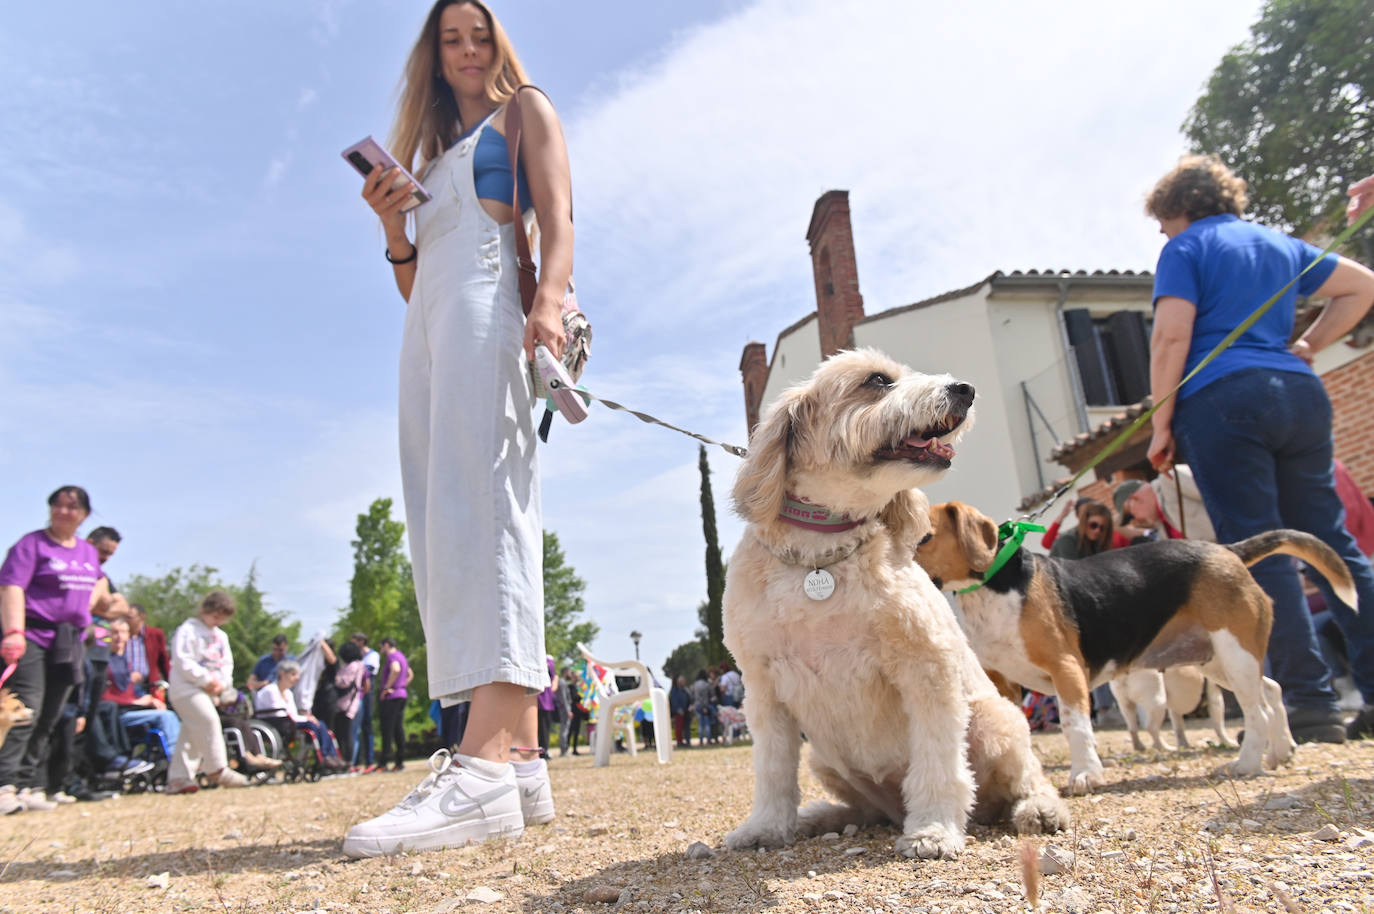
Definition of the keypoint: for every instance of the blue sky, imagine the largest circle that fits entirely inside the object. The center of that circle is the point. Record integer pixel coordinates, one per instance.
(199, 327)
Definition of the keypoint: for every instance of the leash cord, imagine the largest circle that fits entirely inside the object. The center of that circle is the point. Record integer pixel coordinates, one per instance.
(734, 449)
(1225, 343)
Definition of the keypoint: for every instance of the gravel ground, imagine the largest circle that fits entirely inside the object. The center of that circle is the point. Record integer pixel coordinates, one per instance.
(1164, 835)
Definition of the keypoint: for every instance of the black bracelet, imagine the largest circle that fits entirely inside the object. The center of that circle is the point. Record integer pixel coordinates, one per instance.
(414, 252)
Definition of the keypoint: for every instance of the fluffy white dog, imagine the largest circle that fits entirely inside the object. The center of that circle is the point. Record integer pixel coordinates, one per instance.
(841, 636)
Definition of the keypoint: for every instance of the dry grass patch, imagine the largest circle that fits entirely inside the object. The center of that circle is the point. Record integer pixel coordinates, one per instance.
(1164, 835)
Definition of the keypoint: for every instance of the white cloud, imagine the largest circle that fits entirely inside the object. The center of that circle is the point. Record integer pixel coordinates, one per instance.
(307, 98)
(276, 170)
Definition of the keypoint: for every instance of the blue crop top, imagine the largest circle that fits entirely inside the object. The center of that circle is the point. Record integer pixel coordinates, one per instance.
(491, 170)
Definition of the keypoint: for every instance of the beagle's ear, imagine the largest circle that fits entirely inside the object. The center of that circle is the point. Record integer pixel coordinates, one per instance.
(976, 534)
(762, 480)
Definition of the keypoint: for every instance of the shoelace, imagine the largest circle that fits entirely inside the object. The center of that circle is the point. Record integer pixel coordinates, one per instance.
(440, 764)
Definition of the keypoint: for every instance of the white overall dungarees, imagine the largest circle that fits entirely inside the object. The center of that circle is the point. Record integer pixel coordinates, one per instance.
(469, 466)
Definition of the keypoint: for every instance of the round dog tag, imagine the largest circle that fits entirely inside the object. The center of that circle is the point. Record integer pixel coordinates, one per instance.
(819, 584)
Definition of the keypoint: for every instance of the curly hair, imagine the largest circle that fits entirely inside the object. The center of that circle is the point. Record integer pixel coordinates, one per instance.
(1198, 187)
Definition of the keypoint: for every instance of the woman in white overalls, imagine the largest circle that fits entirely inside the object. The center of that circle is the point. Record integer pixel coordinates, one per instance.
(468, 460)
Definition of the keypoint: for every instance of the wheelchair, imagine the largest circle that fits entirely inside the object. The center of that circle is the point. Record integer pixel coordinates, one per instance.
(302, 758)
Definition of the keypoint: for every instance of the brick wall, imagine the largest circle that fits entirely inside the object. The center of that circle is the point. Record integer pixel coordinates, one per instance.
(839, 306)
(753, 367)
(1351, 389)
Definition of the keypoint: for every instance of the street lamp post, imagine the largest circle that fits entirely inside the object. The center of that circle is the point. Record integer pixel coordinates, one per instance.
(635, 636)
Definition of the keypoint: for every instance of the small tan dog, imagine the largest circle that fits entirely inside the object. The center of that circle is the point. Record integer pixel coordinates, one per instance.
(839, 635)
(13, 714)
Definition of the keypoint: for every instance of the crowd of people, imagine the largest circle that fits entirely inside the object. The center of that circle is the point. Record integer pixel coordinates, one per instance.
(710, 701)
(113, 703)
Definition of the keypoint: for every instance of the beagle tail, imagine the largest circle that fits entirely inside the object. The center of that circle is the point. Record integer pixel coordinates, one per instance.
(1302, 546)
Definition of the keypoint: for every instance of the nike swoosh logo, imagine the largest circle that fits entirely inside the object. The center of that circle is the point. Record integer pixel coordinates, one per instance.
(530, 792)
(450, 804)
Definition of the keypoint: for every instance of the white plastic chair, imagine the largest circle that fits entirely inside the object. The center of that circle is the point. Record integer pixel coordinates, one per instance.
(609, 700)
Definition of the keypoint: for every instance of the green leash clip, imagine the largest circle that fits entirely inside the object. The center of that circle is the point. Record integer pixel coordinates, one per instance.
(1010, 534)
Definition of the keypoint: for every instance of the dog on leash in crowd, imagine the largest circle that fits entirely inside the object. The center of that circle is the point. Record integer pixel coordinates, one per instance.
(13, 713)
(1149, 693)
(839, 635)
(1064, 626)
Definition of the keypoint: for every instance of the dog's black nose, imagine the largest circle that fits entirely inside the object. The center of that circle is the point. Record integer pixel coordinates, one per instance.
(961, 392)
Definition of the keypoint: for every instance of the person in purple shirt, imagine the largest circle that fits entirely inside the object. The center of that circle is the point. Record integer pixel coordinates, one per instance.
(49, 584)
(396, 675)
(546, 704)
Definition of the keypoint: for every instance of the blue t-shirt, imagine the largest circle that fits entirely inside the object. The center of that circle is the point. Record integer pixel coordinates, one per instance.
(266, 667)
(1227, 268)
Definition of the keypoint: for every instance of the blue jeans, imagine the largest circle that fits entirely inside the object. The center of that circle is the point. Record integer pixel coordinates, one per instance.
(322, 736)
(704, 719)
(166, 721)
(362, 732)
(1259, 445)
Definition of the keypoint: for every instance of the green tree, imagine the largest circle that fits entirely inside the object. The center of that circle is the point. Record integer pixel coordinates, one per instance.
(1291, 110)
(382, 601)
(715, 569)
(685, 660)
(381, 575)
(174, 597)
(253, 627)
(563, 605)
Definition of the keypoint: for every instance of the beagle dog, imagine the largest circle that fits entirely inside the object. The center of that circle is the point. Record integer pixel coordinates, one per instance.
(840, 635)
(1064, 626)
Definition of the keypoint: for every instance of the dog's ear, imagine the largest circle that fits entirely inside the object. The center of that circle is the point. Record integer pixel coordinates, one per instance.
(907, 517)
(762, 481)
(976, 534)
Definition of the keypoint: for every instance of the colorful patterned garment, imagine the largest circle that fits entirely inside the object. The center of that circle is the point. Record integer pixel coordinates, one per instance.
(586, 688)
(1042, 711)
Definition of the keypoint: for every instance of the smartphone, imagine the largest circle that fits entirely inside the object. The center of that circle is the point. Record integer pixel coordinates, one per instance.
(367, 154)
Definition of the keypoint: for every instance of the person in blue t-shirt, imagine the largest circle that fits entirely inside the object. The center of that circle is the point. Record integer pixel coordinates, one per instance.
(265, 670)
(1255, 423)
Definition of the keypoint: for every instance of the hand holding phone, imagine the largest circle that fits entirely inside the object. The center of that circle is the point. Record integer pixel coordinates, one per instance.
(367, 154)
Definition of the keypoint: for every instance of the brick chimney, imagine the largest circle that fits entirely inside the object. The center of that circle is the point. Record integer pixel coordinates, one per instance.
(753, 365)
(839, 306)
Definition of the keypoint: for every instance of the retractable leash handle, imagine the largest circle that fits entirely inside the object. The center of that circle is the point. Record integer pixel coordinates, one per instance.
(558, 386)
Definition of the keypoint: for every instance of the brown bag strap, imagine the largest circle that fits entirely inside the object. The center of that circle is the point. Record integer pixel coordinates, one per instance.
(524, 260)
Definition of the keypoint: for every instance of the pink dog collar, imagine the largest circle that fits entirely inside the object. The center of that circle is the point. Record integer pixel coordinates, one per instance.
(801, 513)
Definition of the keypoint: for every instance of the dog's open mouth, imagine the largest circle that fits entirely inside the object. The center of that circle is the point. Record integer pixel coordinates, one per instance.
(924, 446)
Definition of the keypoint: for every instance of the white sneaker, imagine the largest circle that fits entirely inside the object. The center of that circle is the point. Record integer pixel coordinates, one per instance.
(9, 800)
(228, 777)
(461, 801)
(536, 793)
(62, 797)
(35, 800)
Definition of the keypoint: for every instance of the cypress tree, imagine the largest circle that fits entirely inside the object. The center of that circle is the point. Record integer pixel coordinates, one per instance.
(715, 572)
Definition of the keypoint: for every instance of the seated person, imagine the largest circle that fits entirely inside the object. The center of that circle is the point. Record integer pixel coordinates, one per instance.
(276, 703)
(121, 690)
(233, 715)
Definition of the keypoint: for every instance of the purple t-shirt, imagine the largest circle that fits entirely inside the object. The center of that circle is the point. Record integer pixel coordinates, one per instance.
(399, 689)
(57, 582)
